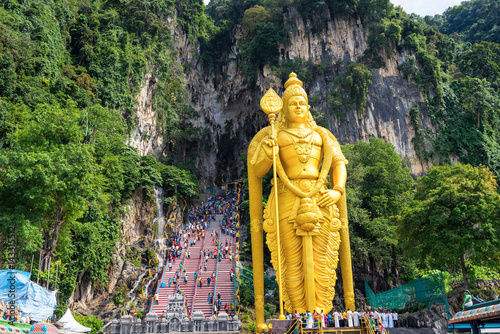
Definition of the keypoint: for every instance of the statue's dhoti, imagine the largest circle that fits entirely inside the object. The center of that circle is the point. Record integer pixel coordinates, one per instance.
(324, 249)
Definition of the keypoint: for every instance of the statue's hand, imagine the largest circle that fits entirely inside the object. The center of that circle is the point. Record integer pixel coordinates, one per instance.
(268, 147)
(328, 197)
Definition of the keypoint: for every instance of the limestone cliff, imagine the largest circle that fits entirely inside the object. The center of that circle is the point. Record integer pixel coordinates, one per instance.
(146, 137)
(223, 99)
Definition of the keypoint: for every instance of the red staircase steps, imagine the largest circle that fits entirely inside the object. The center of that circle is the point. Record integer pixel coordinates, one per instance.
(224, 284)
(163, 293)
(191, 266)
(201, 298)
(197, 297)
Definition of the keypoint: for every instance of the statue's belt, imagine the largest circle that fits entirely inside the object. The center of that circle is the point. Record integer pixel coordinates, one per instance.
(303, 184)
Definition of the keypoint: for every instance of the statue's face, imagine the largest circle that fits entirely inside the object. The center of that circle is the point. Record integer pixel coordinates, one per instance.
(297, 110)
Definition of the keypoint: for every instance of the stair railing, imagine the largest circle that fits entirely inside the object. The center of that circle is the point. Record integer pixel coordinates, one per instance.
(184, 255)
(195, 283)
(369, 327)
(217, 270)
(293, 328)
(161, 279)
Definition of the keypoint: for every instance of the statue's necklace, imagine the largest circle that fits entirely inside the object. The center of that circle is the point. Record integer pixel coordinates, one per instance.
(301, 133)
(302, 147)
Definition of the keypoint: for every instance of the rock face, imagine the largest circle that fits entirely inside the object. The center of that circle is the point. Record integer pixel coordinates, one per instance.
(146, 137)
(128, 274)
(227, 104)
(434, 318)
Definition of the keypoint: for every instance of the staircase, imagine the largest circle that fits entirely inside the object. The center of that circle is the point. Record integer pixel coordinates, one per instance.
(201, 298)
(191, 266)
(196, 297)
(163, 293)
(224, 284)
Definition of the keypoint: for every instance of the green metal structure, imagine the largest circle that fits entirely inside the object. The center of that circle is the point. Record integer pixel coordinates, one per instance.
(427, 290)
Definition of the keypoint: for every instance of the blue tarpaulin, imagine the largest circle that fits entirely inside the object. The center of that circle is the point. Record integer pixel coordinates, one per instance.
(29, 296)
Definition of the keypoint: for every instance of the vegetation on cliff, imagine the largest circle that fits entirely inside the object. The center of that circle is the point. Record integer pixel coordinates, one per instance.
(459, 80)
(69, 74)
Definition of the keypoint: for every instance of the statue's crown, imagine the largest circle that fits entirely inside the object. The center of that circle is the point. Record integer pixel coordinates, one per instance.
(293, 80)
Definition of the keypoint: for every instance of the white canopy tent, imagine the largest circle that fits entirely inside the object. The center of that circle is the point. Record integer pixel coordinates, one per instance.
(71, 325)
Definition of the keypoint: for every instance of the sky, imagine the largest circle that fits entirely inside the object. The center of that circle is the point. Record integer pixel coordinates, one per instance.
(420, 7)
(426, 7)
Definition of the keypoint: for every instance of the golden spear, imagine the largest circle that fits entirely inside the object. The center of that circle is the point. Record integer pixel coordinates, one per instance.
(272, 104)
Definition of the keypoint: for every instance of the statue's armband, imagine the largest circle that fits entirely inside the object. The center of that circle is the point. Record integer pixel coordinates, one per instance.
(260, 161)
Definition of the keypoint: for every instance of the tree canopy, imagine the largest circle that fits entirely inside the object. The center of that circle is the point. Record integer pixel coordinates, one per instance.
(69, 77)
(453, 220)
(378, 189)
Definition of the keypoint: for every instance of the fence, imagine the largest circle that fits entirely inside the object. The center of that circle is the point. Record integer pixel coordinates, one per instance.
(427, 290)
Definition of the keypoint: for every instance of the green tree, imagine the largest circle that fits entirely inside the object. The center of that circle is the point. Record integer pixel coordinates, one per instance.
(251, 18)
(475, 20)
(477, 97)
(482, 61)
(90, 321)
(46, 176)
(453, 220)
(356, 82)
(378, 188)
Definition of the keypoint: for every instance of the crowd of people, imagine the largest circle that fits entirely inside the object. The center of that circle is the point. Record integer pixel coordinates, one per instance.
(195, 230)
(224, 205)
(378, 320)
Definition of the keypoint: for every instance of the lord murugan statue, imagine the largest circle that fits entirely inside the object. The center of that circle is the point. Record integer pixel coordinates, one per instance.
(305, 221)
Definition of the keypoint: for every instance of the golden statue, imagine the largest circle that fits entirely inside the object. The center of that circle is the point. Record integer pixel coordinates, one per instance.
(313, 224)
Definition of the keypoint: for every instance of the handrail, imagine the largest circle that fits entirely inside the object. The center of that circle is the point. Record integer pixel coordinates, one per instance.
(181, 267)
(233, 250)
(295, 323)
(217, 270)
(370, 329)
(162, 276)
(300, 322)
(201, 259)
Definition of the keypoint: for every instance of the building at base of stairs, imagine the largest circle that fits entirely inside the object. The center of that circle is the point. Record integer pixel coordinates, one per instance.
(175, 319)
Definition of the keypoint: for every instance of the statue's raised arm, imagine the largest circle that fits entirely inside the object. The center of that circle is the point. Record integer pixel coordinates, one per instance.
(312, 217)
